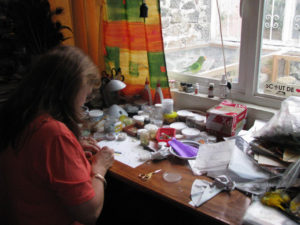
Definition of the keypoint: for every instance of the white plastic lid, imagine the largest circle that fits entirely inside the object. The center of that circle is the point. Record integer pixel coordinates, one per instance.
(138, 118)
(95, 113)
(151, 127)
(171, 177)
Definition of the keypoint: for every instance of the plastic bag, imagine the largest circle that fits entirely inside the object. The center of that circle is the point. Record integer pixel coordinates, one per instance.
(290, 176)
(284, 122)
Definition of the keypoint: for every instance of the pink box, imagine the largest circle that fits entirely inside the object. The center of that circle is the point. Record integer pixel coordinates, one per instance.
(226, 119)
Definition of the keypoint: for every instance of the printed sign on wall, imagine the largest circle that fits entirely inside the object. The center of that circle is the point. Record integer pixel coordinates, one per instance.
(283, 90)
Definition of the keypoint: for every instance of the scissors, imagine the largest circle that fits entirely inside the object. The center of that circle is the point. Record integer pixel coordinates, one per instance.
(147, 176)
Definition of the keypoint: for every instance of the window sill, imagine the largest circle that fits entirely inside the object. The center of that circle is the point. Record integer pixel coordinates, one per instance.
(201, 102)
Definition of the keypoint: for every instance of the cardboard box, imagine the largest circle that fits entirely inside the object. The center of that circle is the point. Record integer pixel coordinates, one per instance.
(226, 119)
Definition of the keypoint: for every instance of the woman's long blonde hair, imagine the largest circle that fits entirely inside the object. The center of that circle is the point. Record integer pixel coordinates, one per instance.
(51, 87)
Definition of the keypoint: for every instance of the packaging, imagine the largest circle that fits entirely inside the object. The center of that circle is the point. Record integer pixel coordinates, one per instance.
(226, 119)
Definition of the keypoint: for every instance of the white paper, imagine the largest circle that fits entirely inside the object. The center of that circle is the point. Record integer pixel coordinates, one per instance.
(130, 149)
(213, 156)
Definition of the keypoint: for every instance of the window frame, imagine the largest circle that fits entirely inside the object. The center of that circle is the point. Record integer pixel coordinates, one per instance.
(252, 12)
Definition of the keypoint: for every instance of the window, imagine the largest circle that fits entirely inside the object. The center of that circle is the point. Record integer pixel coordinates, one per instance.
(262, 51)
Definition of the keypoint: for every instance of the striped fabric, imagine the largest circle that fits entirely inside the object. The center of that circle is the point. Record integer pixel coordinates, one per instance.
(135, 44)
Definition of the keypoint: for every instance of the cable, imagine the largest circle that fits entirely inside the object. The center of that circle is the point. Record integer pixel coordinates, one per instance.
(221, 34)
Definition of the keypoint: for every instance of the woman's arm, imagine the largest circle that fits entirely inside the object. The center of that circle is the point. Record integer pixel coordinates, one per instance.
(88, 212)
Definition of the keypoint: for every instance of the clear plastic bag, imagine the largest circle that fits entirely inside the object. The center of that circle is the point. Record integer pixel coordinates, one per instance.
(285, 122)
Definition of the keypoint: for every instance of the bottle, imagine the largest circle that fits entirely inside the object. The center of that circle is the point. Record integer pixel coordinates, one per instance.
(223, 87)
(182, 86)
(189, 88)
(158, 94)
(146, 93)
(197, 87)
(211, 90)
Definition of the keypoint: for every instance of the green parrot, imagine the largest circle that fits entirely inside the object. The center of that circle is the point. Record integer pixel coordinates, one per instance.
(196, 66)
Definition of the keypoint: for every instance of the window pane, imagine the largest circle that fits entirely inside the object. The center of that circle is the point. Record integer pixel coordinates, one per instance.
(191, 32)
(280, 64)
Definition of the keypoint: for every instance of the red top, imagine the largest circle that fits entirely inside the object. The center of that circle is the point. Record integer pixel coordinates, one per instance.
(47, 175)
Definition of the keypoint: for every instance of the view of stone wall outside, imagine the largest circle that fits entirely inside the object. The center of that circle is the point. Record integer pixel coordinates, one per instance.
(185, 23)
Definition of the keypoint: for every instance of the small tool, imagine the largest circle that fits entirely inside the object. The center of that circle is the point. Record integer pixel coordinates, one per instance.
(147, 176)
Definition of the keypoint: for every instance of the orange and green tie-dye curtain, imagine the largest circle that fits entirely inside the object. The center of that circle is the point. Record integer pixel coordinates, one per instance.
(135, 44)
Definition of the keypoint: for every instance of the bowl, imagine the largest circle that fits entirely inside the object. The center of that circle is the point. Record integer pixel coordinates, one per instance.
(190, 133)
(187, 142)
(183, 114)
(178, 126)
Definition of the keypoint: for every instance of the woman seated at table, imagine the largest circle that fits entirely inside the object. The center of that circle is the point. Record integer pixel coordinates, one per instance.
(45, 177)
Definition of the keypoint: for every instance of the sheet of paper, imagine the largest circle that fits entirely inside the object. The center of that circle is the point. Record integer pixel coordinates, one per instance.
(128, 151)
(212, 157)
(264, 160)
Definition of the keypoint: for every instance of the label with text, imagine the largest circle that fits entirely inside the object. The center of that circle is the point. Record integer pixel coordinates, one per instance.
(283, 90)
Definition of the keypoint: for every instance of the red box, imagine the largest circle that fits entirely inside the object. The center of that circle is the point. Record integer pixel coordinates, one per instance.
(226, 119)
(165, 134)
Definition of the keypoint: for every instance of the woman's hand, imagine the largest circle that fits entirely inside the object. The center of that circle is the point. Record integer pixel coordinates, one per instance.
(89, 146)
(102, 160)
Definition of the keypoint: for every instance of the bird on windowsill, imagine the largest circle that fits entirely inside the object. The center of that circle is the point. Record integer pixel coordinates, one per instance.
(196, 66)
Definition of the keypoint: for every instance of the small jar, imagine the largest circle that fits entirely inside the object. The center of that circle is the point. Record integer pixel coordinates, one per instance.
(139, 121)
(144, 137)
(190, 120)
(172, 84)
(152, 130)
(189, 88)
(182, 86)
(211, 90)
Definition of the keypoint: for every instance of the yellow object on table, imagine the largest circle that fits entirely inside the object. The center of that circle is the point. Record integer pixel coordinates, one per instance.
(276, 199)
(170, 118)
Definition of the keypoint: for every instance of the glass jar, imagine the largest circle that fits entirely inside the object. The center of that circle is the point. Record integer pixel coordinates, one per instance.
(144, 137)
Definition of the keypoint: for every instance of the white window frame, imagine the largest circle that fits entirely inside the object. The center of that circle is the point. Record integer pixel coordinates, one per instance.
(245, 90)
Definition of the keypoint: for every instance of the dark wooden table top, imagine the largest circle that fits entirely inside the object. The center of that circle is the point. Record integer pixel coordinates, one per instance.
(227, 208)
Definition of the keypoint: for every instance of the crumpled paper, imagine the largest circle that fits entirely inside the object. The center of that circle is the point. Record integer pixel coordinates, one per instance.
(202, 191)
(158, 155)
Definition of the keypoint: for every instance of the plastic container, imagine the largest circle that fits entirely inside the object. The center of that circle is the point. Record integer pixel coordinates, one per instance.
(95, 115)
(165, 134)
(170, 118)
(152, 130)
(139, 121)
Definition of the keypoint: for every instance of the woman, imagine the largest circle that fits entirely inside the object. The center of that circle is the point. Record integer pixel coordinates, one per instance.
(45, 176)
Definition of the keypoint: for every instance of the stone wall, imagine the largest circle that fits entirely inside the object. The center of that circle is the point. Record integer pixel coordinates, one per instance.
(185, 23)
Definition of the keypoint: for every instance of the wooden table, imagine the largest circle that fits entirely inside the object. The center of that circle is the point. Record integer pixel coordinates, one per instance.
(227, 208)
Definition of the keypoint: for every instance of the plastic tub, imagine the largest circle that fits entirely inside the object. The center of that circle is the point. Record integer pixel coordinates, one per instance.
(165, 134)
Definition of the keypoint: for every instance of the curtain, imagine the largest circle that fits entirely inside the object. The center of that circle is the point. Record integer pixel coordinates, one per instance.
(84, 18)
(114, 36)
(135, 44)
